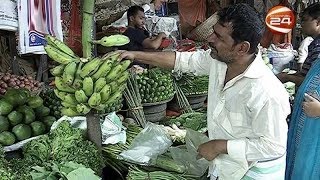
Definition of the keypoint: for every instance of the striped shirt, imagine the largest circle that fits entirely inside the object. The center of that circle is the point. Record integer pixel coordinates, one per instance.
(313, 54)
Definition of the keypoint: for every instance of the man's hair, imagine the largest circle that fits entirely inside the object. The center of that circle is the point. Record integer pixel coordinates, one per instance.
(133, 10)
(246, 24)
(313, 11)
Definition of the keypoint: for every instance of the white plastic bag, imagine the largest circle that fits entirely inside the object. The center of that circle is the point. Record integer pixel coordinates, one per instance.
(187, 155)
(281, 55)
(111, 127)
(147, 145)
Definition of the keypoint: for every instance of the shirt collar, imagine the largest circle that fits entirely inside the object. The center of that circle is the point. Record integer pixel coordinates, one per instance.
(256, 69)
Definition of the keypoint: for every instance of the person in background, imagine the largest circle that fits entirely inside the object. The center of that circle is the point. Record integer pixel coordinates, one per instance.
(310, 24)
(247, 104)
(139, 37)
(303, 150)
(157, 3)
(303, 51)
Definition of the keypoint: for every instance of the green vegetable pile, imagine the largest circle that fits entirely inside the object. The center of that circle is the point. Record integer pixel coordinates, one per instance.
(52, 102)
(155, 85)
(193, 85)
(63, 144)
(195, 121)
(63, 171)
(22, 115)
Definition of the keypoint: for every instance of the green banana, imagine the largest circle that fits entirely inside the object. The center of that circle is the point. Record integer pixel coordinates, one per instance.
(105, 93)
(59, 44)
(125, 64)
(59, 56)
(65, 104)
(60, 94)
(122, 87)
(83, 109)
(123, 77)
(113, 40)
(69, 73)
(99, 84)
(114, 86)
(114, 72)
(94, 100)
(112, 56)
(71, 99)
(77, 82)
(100, 107)
(58, 70)
(114, 97)
(81, 96)
(69, 112)
(90, 67)
(87, 86)
(62, 86)
(103, 70)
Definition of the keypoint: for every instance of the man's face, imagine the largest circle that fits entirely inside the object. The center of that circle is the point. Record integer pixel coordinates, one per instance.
(222, 43)
(138, 20)
(309, 25)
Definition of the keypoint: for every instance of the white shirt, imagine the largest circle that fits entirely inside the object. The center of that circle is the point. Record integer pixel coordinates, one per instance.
(303, 49)
(249, 111)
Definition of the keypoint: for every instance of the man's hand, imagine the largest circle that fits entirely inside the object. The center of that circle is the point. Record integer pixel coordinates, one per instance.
(212, 149)
(162, 35)
(311, 106)
(126, 55)
(283, 77)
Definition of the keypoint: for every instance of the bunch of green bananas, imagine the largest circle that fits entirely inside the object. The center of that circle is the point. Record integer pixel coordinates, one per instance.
(85, 84)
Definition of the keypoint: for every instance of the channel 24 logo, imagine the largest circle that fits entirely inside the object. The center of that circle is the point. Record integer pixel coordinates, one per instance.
(280, 19)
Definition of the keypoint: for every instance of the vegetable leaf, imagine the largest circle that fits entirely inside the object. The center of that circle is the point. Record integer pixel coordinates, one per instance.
(82, 174)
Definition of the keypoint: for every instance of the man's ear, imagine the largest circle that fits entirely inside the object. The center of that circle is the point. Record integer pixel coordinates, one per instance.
(243, 47)
(131, 18)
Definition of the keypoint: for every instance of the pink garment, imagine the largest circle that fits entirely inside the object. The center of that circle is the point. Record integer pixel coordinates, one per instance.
(192, 11)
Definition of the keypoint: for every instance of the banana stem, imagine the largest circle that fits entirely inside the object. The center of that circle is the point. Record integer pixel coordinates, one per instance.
(87, 28)
(93, 120)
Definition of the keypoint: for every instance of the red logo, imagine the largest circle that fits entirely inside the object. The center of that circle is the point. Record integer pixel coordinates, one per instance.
(280, 19)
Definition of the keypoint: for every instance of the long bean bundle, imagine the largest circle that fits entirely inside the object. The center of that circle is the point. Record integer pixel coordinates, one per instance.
(182, 100)
(133, 98)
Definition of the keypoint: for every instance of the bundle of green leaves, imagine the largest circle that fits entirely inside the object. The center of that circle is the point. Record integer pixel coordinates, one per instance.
(64, 144)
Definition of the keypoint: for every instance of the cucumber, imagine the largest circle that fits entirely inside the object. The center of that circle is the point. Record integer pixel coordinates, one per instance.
(169, 164)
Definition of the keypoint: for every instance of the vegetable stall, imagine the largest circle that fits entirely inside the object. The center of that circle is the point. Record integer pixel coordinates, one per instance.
(101, 118)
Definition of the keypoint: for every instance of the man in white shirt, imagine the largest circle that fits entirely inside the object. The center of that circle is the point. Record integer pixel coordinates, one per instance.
(247, 104)
(303, 51)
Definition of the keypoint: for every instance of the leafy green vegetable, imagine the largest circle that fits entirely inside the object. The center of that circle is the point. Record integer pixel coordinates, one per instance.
(38, 149)
(195, 121)
(68, 144)
(63, 171)
(82, 174)
(5, 171)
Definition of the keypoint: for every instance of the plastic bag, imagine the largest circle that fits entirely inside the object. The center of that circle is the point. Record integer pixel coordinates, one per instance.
(187, 155)
(281, 56)
(111, 127)
(148, 144)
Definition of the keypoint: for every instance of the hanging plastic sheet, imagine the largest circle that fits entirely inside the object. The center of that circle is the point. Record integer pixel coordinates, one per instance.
(8, 15)
(37, 18)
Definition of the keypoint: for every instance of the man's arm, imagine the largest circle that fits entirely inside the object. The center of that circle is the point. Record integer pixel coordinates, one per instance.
(198, 62)
(296, 78)
(153, 43)
(160, 59)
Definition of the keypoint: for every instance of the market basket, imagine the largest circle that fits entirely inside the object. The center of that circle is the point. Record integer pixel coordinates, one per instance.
(204, 30)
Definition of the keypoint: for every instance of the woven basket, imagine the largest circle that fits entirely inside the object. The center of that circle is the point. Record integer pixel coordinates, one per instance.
(204, 30)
